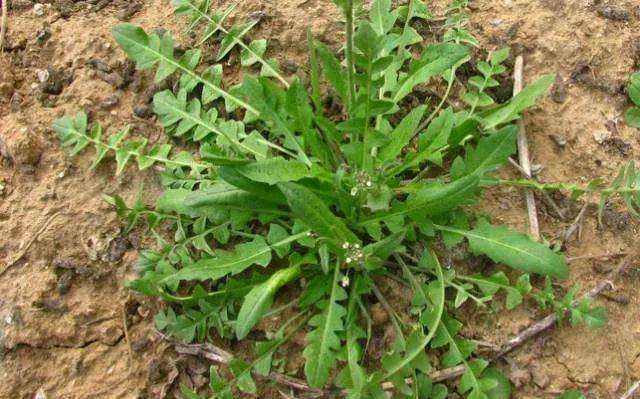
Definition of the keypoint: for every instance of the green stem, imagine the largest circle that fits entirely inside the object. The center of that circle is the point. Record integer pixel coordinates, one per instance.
(137, 154)
(240, 42)
(348, 11)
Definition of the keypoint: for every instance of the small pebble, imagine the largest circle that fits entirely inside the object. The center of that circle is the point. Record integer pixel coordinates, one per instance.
(38, 9)
(601, 137)
(536, 168)
(110, 102)
(614, 13)
(40, 394)
(142, 111)
(559, 139)
(43, 75)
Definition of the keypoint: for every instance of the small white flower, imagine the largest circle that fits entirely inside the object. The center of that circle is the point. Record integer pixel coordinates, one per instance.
(348, 260)
(356, 246)
(345, 245)
(344, 282)
(369, 183)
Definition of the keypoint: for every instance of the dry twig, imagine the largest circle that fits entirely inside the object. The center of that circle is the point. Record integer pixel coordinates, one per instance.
(523, 154)
(3, 23)
(219, 355)
(632, 391)
(576, 223)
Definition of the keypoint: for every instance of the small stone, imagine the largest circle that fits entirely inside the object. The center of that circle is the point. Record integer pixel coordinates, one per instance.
(130, 11)
(289, 66)
(496, 22)
(559, 139)
(601, 137)
(113, 78)
(536, 168)
(55, 82)
(558, 90)
(614, 13)
(142, 111)
(257, 15)
(43, 75)
(38, 9)
(99, 65)
(110, 101)
(64, 282)
(40, 394)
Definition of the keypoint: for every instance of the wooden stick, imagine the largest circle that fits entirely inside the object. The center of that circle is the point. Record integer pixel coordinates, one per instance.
(632, 391)
(219, 355)
(576, 223)
(523, 154)
(3, 23)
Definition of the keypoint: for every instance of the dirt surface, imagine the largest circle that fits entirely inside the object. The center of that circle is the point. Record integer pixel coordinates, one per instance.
(68, 327)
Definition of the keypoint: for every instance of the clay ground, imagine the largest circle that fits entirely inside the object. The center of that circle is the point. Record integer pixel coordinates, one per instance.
(68, 327)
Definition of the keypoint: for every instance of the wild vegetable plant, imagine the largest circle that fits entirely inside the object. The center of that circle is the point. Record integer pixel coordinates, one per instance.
(288, 197)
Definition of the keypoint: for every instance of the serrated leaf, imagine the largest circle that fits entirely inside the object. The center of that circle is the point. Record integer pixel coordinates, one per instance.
(323, 342)
(261, 93)
(233, 36)
(523, 100)
(382, 19)
(256, 252)
(513, 249)
(148, 51)
(433, 316)
(253, 54)
(437, 58)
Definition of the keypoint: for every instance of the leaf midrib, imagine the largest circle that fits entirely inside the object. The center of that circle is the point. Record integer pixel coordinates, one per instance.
(192, 74)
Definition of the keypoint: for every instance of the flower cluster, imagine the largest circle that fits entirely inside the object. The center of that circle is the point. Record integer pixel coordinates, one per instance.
(363, 183)
(354, 252)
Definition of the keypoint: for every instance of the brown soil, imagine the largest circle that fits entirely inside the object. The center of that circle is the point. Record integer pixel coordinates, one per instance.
(68, 327)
